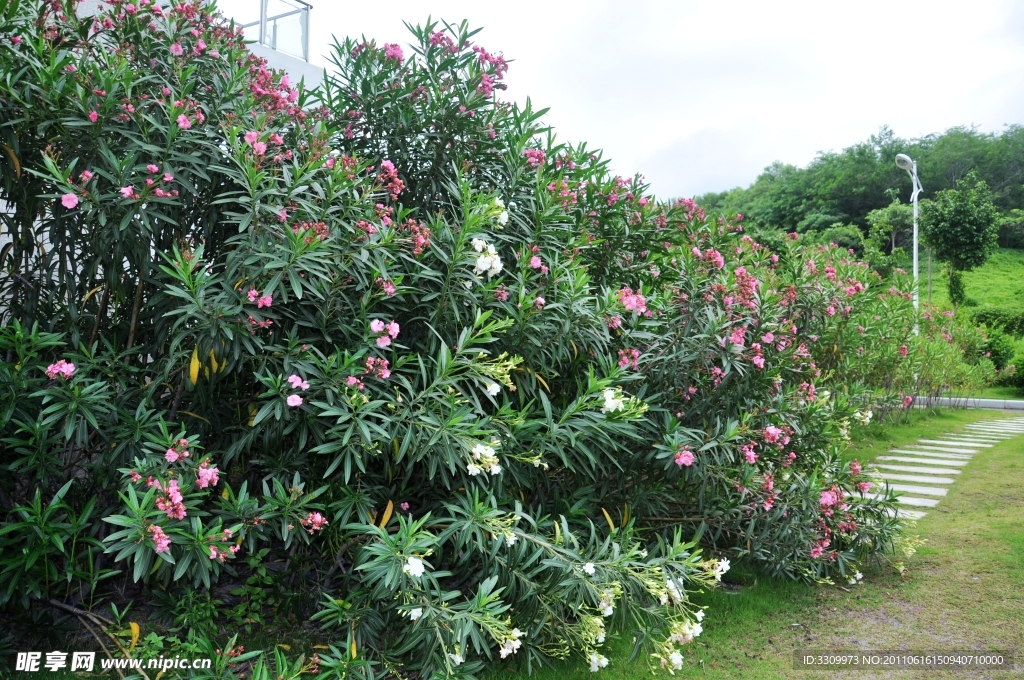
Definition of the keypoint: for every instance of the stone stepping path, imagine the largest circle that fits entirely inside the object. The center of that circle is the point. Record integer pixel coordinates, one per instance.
(922, 473)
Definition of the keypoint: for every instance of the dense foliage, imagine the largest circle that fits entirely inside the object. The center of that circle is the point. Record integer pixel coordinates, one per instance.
(390, 359)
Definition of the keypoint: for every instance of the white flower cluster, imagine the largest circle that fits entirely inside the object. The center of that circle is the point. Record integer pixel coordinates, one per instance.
(683, 634)
(597, 662)
(414, 567)
(512, 644)
(721, 566)
(486, 459)
(456, 659)
(488, 261)
(675, 659)
(613, 401)
(589, 568)
(856, 578)
(607, 603)
(674, 594)
(863, 417)
(493, 389)
(499, 207)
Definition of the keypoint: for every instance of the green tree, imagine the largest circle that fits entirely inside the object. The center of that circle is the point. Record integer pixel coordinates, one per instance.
(961, 226)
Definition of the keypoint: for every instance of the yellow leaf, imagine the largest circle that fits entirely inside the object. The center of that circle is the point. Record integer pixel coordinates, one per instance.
(159, 675)
(196, 415)
(213, 361)
(239, 283)
(193, 369)
(542, 382)
(575, 352)
(625, 514)
(224, 493)
(89, 294)
(353, 651)
(135, 635)
(608, 518)
(206, 372)
(252, 414)
(387, 514)
(14, 159)
(320, 647)
(285, 647)
(558, 534)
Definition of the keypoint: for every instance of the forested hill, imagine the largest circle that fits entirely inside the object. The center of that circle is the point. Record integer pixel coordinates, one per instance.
(845, 186)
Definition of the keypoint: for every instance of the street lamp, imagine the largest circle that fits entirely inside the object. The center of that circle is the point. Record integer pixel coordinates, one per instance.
(904, 162)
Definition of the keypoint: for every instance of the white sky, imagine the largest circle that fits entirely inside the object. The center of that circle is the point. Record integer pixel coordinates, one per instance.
(701, 96)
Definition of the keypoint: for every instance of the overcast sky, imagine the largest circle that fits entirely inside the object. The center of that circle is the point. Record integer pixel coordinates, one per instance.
(701, 96)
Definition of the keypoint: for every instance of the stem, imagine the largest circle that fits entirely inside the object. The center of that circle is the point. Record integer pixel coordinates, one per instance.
(177, 399)
(100, 313)
(135, 316)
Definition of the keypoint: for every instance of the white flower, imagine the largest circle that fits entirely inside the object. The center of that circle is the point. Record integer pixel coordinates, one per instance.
(664, 598)
(456, 659)
(493, 389)
(516, 633)
(479, 244)
(852, 581)
(692, 629)
(414, 567)
(589, 568)
(600, 638)
(607, 603)
(700, 614)
(482, 451)
(597, 662)
(858, 576)
(511, 539)
(473, 470)
(495, 469)
(721, 567)
(676, 659)
(503, 218)
(469, 283)
(512, 644)
(415, 613)
(611, 403)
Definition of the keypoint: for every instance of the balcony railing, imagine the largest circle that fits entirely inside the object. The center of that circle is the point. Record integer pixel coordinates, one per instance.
(281, 25)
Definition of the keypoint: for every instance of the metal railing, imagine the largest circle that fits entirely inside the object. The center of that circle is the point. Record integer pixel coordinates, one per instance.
(281, 25)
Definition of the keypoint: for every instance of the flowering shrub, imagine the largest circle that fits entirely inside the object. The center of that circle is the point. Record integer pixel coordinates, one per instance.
(485, 399)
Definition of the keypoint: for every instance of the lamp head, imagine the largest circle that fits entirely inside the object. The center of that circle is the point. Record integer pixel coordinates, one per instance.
(904, 162)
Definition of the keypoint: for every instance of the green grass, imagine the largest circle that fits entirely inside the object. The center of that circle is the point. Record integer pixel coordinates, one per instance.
(997, 283)
(993, 392)
(961, 591)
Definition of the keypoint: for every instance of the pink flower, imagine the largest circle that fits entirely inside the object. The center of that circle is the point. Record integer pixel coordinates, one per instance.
(392, 329)
(864, 487)
(377, 326)
(540, 302)
(903, 350)
(298, 383)
(829, 499)
(171, 456)
(177, 50)
(162, 540)
(393, 52)
(771, 434)
(684, 457)
(404, 506)
(61, 368)
(93, 116)
(168, 177)
(265, 301)
(907, 401)
(153, 168)
(383, 341)
(127, 191)
(294, 400)
(16, 39)
(86, 176)
(535, 262)
(314, 521)
(183, 122)
(748, 453)
(768, 338)
(135, 476)
(855, 468)
(69, 201)
(758, 361)
(253, 294)
(259, 148)
(207, 476)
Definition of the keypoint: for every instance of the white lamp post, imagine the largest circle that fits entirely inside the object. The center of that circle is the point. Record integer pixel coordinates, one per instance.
(904, 162)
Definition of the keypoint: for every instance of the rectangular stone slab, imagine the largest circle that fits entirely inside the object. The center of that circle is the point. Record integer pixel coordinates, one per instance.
(923, 490)
(995, 428)
(910, 514)
(912, 468)
(924, 479)
(931, 454)
(964, 442)
(964, 450)
(924, 461)
(911, 500)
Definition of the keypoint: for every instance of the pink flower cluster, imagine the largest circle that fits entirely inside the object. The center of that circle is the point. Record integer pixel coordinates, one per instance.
(711, 255)
(314, 521)
(207, 475)
(171, 502)
(260, 300)
(388, 287)
(385, 332)
(393, 52)
(355, 382)
(378, 368)
(162, 540)
(178, 451)
(297, 383)
(684, 457)
(748, 452)
(629, 358)
(61, 368)
(534, 157)
(389, 179)
(633, 302)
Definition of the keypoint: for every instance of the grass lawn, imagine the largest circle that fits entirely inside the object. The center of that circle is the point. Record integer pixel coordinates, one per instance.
(962, 589)
(998, 283)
